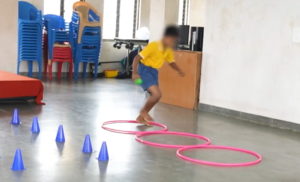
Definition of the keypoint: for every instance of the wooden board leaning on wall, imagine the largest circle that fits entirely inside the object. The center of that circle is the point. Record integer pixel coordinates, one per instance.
(182, 91)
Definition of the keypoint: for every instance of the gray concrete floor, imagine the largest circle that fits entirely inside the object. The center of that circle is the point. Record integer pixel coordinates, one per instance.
(82, 108)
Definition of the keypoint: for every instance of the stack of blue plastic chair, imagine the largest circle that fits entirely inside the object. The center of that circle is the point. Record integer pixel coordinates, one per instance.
(86, 30)
(30, 36)
(57, 37)
(55, 26)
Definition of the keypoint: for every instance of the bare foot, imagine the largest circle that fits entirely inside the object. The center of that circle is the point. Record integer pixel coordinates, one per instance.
(146, 116)
(141, 120)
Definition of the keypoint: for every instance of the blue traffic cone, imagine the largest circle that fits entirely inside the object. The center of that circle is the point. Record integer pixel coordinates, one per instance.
(15, 118)
(103, 155)
(35, 127)
(60, 137)
(87, 145)
(18, 162)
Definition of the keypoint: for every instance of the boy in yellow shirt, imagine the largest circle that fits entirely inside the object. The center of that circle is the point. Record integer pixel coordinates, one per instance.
(145, 67)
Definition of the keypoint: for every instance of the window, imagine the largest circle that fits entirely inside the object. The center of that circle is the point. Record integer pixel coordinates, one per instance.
(183, 12)
(120, 18)
(67, 10)
(62, 8)
(109, 19)
(52, 7)
(126, 19)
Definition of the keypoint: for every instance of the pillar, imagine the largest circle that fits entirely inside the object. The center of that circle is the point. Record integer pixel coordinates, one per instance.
(197, 13)
(145, 13)
(9, 36)
(162, 13)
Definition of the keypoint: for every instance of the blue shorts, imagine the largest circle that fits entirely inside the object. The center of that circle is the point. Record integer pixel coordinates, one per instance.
(149, 76)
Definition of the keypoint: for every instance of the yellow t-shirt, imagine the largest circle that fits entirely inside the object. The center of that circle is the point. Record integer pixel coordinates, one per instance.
(154, 55)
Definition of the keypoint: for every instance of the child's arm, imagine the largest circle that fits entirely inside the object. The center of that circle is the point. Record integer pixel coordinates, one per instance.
(147, 51)
(176, 68)
(136, 61)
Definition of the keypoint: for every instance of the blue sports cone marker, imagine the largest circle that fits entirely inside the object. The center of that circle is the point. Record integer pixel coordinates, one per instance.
(15, 118)
(18, 161)
(103, 155)
(60, 137)
(35, 127)
(87, 145)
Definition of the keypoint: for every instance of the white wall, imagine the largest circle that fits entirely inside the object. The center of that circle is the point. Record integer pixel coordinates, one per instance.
(166, 13)
(250, 63)
(8, 36)
(109, 53)
(145, 13)
(171, 12)
(156, 22)
(197, 13)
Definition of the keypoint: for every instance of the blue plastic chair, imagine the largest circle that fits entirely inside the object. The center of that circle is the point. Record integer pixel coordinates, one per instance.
(27, 11)
(55, 26)
(30, 36)
(87, 49)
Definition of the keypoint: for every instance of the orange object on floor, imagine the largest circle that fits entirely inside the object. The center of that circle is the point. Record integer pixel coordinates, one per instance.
(111, 73)
(16, 86)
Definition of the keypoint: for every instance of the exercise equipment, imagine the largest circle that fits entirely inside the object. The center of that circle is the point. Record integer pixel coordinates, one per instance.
(179, 154)
(87, 145)
(129, 121)
(141, 134)
(138, 81)
(103, 154)
(35, 127)
(15, 87)
(60, 137)
(118, 45)
(18, 164)
(15, 120)
(130, 45)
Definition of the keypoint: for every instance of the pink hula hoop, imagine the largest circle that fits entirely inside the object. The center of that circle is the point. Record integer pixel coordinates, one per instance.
(129, 121)
(219, 164)
(141, 134)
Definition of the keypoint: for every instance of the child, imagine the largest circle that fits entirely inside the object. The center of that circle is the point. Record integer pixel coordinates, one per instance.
(147, 62)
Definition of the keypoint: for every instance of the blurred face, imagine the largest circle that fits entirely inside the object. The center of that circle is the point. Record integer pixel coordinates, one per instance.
(170, 42)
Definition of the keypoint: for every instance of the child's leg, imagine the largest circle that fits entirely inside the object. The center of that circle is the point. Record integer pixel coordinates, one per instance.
(140, 119)
(149, 76)
(155, 96)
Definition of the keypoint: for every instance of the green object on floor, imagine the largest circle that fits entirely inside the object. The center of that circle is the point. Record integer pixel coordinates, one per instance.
(138, 81)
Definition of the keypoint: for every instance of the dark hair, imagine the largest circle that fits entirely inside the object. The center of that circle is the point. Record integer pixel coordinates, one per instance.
(172, 31)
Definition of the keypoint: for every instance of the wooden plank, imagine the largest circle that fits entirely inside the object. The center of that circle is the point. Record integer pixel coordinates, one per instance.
(182, 91)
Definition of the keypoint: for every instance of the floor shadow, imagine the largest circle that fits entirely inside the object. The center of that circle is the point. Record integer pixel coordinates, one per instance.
(103, 166)
(34, 137)
(142, 127)
(60, 148)
(86, 158)
(17, 175)
(15, 129)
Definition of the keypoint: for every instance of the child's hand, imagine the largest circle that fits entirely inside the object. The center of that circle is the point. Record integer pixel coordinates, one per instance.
(181, 73)
(135, 76)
